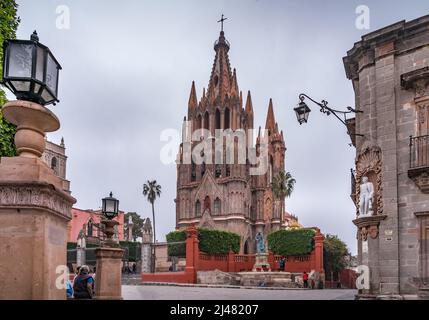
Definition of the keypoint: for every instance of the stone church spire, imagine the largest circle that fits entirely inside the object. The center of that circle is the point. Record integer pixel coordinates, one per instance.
(270, 124)
(249, 105)
(221, 78)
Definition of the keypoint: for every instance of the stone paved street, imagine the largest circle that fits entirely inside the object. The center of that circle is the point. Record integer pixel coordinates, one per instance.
(199, 293)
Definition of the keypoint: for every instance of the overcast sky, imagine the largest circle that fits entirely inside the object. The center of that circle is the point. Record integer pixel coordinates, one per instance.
(127, 72)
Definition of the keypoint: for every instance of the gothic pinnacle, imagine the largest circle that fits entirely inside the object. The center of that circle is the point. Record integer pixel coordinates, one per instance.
(193, 101)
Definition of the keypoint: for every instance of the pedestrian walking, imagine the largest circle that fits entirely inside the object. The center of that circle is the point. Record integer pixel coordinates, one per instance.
(305, 279)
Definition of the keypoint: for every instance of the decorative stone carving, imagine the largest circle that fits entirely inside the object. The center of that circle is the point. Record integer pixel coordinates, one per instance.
(368, 226)
(417, 80)
(420, 86)
(41, 195)
(368, 164)
(421, 178)
(363, 234)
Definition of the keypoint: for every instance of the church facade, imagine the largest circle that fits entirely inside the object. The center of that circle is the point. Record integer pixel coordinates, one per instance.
(220, 194)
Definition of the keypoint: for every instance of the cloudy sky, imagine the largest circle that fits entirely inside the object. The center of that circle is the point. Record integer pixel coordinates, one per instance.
(127, 72)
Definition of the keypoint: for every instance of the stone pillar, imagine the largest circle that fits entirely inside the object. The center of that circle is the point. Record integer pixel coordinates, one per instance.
(146, 248)
(108, 285)
(318, 247)
(109, 256)
(146, 257)
(80, 256)
(192, 252)
(34, 210)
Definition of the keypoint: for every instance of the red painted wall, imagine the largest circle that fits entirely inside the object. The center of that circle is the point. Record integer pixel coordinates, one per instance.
(200, 261)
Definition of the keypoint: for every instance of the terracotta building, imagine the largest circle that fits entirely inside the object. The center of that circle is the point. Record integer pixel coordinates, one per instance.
(389, 69)
(215, 194)
(88, 221)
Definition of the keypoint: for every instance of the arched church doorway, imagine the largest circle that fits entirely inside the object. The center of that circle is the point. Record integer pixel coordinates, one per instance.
(246, 247)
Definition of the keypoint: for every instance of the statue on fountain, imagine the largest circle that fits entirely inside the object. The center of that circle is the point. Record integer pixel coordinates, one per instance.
(260, 243)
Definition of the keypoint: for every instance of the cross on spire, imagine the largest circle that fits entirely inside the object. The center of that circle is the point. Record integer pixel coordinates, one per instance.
(221, 21)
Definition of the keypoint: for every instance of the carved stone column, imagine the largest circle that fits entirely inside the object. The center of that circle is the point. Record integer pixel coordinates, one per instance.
(34, 210)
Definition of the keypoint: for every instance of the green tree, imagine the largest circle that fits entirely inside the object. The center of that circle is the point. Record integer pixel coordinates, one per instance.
(283, 184)
(335, 253)
(152, 190)
(137, 224)
(9, 22)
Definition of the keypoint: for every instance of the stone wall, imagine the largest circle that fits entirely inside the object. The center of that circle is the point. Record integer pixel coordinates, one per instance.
(390, 243)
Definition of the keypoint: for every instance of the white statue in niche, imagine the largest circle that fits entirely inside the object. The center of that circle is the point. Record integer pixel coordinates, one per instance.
(366, 198)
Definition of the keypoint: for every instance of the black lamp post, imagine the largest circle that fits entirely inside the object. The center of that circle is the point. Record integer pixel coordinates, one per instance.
(30, 70)
(302, 112)
(110, 210)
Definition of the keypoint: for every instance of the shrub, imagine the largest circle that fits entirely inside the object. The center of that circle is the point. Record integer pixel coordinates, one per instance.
(292, 242)
(210, 241)
(218, 242)
(176, 250)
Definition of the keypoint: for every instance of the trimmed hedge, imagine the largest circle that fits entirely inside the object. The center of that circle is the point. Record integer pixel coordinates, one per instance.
(218, 242)
(210, 241)
(176, 250)
(292, 242)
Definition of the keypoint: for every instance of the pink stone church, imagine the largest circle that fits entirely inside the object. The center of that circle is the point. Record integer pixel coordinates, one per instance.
(225, 196)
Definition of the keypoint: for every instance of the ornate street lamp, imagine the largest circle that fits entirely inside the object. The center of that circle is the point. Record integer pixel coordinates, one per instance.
(30, 70)
(110, 207)
(302, 112)
(110, 210)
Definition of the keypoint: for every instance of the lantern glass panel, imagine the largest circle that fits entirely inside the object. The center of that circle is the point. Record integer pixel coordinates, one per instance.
(46, 95)
(21, 58)
(110, 205)
(21, 85)
(51, 74)
(40, 64)
(36, 88)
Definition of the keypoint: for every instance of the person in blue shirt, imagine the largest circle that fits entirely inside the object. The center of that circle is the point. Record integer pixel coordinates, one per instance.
(69, 289)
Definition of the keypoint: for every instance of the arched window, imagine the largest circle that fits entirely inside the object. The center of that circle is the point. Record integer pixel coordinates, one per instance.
(198, 208)
(90, 228)
(217, 206)
(206, 121)
(207, 204)
(228, 171)
(227, 119)
(217, 119)
(54, 164)
(270, 172)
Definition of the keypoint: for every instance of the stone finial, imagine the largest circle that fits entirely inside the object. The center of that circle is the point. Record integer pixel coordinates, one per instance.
(33, 121)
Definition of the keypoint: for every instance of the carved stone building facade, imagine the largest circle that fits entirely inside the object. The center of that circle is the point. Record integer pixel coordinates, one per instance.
(55, 157)
(389, 69)
(215, 194)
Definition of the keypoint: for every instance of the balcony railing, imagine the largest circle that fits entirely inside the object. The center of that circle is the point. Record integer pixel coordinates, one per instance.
(419, 152)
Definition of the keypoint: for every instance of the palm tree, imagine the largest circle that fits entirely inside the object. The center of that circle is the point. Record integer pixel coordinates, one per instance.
(152, 190)
(283, 184)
